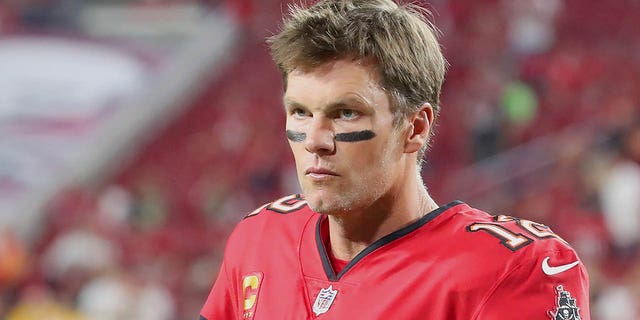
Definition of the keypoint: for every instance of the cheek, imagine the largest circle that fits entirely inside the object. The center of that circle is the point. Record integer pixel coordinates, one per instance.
(300, 157)
(380, 159)
(296, 150)
(366, 157)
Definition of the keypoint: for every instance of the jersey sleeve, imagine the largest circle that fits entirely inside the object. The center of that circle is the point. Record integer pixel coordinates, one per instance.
(552, 286)
(221, 302)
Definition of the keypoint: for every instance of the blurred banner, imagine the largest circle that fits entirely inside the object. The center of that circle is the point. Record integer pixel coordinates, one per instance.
(55, 95)
(74, 104)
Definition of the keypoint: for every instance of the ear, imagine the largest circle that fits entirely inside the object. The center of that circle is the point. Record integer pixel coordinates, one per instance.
(419, 127)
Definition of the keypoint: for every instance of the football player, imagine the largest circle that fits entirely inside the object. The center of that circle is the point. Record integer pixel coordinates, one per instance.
(365, 240)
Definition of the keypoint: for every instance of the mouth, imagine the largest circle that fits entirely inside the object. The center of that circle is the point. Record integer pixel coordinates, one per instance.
(320, 173)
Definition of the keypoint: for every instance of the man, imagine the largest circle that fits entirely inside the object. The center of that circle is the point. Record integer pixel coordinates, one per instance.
(366, 241)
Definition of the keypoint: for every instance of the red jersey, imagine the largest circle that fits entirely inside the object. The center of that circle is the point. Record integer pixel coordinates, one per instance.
(456, 262)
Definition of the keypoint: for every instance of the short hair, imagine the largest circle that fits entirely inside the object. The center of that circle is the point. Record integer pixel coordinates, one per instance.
(399, 38)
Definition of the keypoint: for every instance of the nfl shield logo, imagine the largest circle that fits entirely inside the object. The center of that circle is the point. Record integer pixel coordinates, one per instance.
(324, 300)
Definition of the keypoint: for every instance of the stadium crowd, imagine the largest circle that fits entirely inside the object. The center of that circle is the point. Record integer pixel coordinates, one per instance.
(541, 105)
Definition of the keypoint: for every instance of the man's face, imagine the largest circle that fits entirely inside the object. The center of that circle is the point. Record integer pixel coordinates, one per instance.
(340, 129)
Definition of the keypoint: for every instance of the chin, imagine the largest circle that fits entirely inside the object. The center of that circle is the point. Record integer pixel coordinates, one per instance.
(327, 204)
(328, 210)
(318, 205)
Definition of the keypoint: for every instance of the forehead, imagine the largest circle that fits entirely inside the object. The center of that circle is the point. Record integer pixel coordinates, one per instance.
(335, 78)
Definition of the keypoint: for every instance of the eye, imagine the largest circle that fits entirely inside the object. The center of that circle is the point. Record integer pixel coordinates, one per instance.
(299, 113)
(347, 114)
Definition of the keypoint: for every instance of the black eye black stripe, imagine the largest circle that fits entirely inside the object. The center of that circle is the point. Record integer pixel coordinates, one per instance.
(355, 136)
(295, 136)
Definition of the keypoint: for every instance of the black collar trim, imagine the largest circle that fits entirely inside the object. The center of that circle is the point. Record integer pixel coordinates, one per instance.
(326, 262)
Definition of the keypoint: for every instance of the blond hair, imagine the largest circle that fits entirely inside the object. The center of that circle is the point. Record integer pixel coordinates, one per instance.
(400, 39)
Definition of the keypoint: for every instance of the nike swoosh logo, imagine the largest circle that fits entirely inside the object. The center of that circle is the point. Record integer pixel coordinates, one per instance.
(550, 271)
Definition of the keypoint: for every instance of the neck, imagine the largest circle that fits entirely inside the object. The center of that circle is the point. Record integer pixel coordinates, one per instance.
(352, 232)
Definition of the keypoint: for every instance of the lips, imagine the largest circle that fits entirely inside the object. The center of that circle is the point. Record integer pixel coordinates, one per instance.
(319, 172)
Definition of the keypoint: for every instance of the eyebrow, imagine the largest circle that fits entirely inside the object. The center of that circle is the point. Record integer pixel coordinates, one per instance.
(344, 101)
(291, 104)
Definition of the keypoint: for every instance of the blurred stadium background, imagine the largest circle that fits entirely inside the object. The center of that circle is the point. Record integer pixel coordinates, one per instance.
(135, 134)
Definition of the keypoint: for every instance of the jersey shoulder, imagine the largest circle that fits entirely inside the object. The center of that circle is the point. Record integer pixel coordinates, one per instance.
(290, 204)
(287, 215)
(512, 249)
(529, 265)
(509, 233)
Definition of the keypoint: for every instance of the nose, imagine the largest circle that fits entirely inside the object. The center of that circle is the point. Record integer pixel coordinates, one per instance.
(320, 137)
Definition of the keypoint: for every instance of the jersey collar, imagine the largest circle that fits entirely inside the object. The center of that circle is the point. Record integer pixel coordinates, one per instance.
(326, 262)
